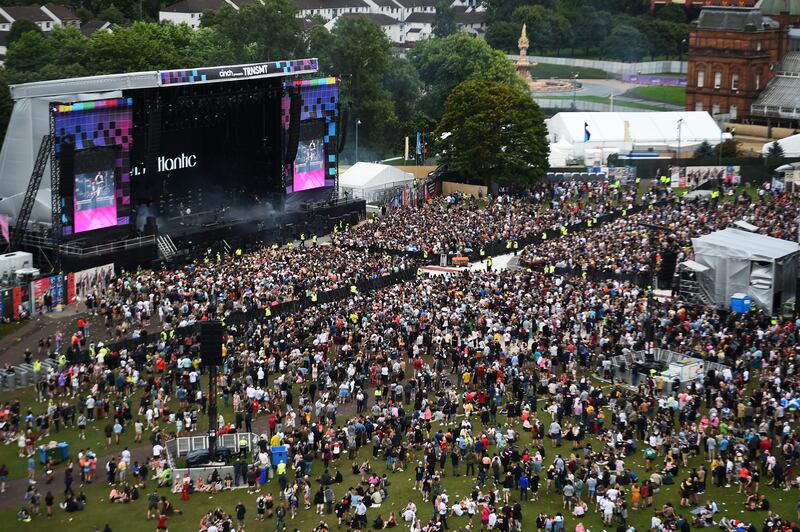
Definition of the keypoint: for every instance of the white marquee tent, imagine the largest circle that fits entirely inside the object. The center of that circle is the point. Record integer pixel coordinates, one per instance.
(790, 145)
(372, 181)
(620, 132)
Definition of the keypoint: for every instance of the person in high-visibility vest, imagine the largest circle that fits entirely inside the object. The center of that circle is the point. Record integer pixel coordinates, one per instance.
(419, 271)
(424, 253)
(314, 241)
(313, 297)
(544, 235)
(482, 252)
(353, 289)
(267, 312)
(303, 239)
(638, 180)
(516, 247)
(489, 264)
(62, 360)
(508, 245)
(274, 246)
(238, 252)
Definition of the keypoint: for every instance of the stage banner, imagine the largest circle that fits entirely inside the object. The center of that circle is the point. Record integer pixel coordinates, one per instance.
(16, 300)
(40, 288)
(70, 288)
(57, 289)
(251, 71)
(4, 227)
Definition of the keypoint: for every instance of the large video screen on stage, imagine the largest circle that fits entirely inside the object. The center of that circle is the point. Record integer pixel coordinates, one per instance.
(93, 141)
(309, 165)
(315, 164)
(95, 205)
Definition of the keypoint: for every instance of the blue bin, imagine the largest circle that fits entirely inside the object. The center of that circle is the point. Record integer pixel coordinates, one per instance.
(64, 448)
(279, 455)
(42, 455)
(740, 303)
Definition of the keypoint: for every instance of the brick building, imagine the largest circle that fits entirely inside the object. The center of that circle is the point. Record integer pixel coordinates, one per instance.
(731, 55)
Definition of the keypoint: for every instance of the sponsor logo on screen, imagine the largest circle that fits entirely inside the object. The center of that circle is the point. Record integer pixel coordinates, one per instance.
(181, 162)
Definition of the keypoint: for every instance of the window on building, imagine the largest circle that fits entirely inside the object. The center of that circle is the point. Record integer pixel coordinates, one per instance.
(715, 109)
(734, 110)
(758, 81)
(701, 78)
(698, 106)
(758, 45)
(717, 80)
(734, 82)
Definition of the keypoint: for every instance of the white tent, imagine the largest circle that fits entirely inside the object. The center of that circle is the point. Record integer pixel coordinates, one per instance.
(790, 145)
(763, 267)
(372, 181)
(620, 132)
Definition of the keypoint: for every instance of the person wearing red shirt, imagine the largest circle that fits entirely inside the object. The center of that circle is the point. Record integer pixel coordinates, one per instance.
(161, 525)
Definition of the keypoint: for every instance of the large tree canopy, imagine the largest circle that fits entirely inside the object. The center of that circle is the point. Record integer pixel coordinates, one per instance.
(493, 132)
(444, 63)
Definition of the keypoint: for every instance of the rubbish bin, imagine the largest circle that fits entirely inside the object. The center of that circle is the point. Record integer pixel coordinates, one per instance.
(53, 453)
(279, 455)
(64, 448)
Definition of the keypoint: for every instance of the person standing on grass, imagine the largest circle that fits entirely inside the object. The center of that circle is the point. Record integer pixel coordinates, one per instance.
(48, 502)
(161, 525)
(152, 505)
(240, 513)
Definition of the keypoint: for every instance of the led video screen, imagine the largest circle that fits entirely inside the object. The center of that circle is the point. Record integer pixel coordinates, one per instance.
(309, 165)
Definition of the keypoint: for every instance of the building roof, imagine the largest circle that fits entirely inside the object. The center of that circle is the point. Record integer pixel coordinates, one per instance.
(790, 64)
(781, 98)
(736, 243)
(62, 12)
(386, 3)
(329, 4)
(33, 13)
(421, 18)
(378, 18)
(776, 7)
(90, 27)
(409, 4)
(734, 19)
(194, 6)
(472, 16)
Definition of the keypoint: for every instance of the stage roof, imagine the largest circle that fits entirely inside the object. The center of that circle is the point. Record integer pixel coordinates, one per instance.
(162, 78)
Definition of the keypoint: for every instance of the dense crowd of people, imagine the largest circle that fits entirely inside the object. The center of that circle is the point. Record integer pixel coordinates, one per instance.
(467, 374)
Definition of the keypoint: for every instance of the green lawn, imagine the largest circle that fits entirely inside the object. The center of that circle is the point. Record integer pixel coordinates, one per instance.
(549, 70)
(604, 100)
(9, 328)
(130, 517)
(671, 95)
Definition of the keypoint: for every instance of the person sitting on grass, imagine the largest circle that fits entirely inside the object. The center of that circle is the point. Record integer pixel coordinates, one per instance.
(756, 503)
(23, 515)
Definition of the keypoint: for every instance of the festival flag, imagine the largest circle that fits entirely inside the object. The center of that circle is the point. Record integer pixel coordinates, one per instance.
(419, 143)
(586, 134)
(406, 156)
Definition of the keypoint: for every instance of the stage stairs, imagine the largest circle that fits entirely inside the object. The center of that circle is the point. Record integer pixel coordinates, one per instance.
(166, 247)
(693, 291)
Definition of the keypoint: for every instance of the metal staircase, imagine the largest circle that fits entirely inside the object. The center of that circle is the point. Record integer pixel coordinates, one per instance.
(33, 188)
(693, 291)
(166, 247)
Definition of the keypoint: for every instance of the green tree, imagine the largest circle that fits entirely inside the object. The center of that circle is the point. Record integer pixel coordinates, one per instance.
(775, 151)
(729, 148)
(113, 15)
(19, 28)
(493, 132)
(444, 63)
(625, 43)
(266, 31)
(672, 13)
(444, 21)
(402, 82)
(142, 46)
(504, 36)
(704, 150)
(30, 52)
(548, 29)
(359, 53)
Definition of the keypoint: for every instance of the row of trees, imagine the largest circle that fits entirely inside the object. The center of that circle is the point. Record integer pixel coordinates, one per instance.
(616, 30)
(393, 97)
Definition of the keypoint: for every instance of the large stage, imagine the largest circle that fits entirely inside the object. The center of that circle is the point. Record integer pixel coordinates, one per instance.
(94, 165)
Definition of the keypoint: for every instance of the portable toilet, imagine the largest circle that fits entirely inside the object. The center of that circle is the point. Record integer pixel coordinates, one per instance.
(740, 303)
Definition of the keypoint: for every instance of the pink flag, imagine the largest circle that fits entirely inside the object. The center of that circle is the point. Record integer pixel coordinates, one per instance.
(4, 227)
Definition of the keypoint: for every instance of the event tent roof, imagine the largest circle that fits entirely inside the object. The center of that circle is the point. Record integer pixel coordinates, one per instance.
(373, 175)
(790, 145)
(645, 129)
(736, 243)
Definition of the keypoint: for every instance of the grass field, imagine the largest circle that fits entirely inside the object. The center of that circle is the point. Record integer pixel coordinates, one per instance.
(9, 328)
(618, 104)
(131, 517)
(549, 70)
(671, 95)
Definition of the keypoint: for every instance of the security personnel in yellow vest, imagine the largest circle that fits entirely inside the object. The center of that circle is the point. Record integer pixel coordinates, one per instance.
(313, 297)
(508, 245)
(489, 264)
(638, 180)
(419, 271)
(290, 245)
(544, 235)
(424, 253)
(589, 224)
(335, 229)
(624, 213)
(92, 352)
(238, 252)
(205, 260)
(62, 360)
(37, 367)
(219, 258)
(714, 194)
(303, 239)
(516, 247)
(267, 312)
(482, 252)
(314, 241)
(274, 246)
(163, 336)
(353, 289)
(594, 220)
